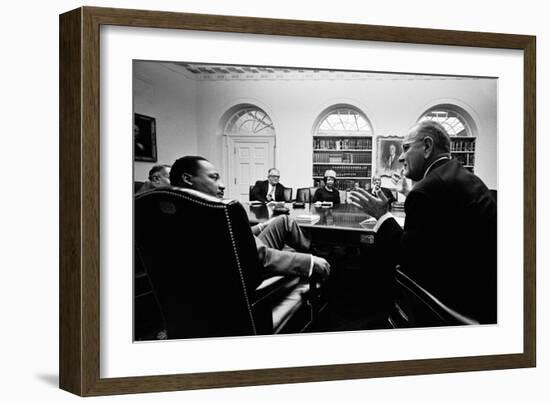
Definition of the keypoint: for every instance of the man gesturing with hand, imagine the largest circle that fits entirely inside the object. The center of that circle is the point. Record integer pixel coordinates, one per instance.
(449, 241)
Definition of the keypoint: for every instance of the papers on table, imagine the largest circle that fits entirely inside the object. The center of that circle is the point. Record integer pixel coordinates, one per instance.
(371, 222)
(307, 218)
(368, 223)
(325, 204)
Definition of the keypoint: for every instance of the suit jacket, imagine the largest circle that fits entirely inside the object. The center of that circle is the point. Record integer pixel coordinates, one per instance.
(449, 241)
(394, 164)
(321, 194)
(387, 192)
(259, 191)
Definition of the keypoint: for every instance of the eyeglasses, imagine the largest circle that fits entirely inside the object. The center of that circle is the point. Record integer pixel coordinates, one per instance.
(274, 176)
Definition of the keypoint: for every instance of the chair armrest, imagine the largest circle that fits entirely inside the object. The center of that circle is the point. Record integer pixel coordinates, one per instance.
(421, 300)
(273, 288)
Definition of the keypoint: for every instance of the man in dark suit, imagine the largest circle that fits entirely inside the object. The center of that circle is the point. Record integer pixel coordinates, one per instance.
(376, 188)
(270, 189)
(449, 242)
(159, 176)
(194, 172)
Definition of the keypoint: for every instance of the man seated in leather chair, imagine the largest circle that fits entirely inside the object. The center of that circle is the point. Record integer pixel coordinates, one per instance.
(269, 190)
(197, 173)
(159, 176)
(376, 188)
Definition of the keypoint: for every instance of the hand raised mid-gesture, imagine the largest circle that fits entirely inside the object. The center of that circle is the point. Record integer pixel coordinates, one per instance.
(370, 204)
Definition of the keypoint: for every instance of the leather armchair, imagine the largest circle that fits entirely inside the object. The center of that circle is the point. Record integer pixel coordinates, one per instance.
(414, 306)
(305, 195)
(287, 194)
(201, 258)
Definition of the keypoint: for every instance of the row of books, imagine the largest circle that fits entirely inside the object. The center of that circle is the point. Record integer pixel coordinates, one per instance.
(346, 158)
(463, 145)
(343, 170)
(345, 184)
(342, 144)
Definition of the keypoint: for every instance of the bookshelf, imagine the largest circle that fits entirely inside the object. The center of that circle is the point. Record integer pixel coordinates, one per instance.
(349, 156)
(463, 150)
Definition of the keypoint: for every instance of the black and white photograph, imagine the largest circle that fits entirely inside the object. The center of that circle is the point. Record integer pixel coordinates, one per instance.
(258, 216)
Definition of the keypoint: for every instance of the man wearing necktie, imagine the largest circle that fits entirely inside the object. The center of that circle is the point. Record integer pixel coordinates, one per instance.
(270, 192)
(376, 188)
(448, 245)
(270, 189)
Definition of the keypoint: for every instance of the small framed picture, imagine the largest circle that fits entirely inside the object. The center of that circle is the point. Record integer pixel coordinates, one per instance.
(390, 148)
(145, 138)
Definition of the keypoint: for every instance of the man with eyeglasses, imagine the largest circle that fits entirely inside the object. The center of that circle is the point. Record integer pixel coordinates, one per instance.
(269, 190)
(449, 241)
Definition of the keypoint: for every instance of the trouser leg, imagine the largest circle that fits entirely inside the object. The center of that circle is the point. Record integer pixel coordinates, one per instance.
(284, 230)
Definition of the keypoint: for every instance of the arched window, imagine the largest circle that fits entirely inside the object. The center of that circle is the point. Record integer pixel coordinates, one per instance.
(452, 121)
(249, 121)
(344, 121)
(342, 142)
(457, 124)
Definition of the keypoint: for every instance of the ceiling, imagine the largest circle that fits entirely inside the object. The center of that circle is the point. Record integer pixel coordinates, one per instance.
(220, 72)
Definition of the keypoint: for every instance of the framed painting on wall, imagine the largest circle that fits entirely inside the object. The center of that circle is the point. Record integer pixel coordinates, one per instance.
(389, 150)
(145, 138)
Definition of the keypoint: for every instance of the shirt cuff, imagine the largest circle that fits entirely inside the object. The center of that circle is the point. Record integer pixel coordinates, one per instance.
(381, 221)
(310, 266)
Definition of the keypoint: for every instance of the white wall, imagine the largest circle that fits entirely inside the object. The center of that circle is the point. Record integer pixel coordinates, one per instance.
(295, 105)
(170, 98)
(29, 212)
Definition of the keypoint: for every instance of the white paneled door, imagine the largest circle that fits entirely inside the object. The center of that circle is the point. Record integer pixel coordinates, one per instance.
(249, 160)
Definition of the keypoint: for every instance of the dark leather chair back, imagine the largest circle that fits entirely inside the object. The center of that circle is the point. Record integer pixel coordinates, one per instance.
(149, 321)
(250, 192)
(494, 194)
(287, 194)
(137, 185)
(202, 260)
(417, 307)
(305, 195)
(302, 195)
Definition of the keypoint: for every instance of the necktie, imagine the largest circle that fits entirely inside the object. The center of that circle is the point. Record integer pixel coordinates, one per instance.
(270, 194)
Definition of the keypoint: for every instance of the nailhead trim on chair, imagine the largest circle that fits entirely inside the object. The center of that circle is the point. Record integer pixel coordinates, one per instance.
(219, 204)
(240, 271)
(223, 206)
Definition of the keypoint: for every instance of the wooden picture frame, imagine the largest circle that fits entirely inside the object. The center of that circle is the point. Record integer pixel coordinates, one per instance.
(80, 200)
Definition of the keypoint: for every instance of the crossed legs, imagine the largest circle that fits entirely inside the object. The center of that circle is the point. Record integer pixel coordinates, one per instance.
(283, 230)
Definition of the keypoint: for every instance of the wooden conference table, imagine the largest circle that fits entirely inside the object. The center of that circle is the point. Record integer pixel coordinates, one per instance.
(357, 291)
(343, 224)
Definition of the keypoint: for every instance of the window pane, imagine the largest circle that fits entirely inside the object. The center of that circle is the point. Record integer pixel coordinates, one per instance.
(345, 120)
(250, 121)
(454, 124)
